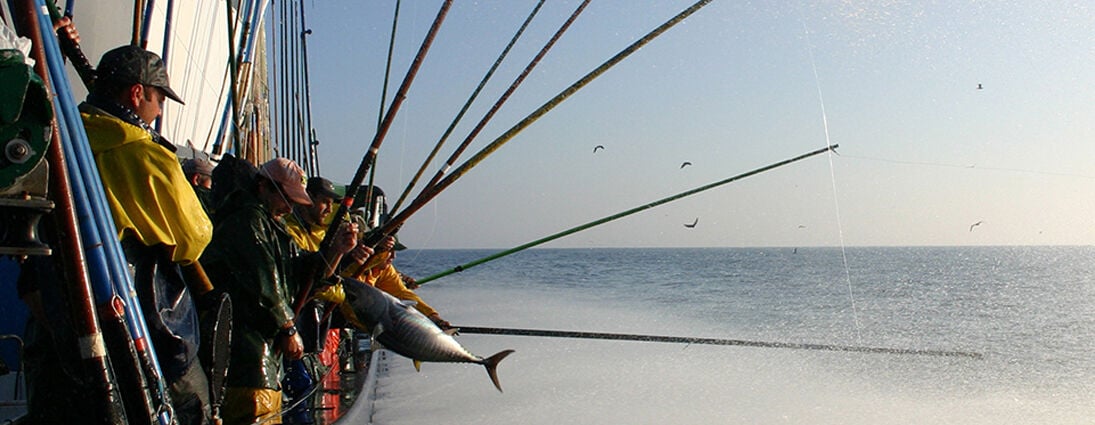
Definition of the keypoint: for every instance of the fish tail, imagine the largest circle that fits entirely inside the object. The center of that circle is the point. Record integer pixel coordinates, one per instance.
(491, 363)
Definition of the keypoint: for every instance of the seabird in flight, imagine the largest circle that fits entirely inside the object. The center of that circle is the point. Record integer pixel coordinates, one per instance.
(601, 147)
(693, 225)
(975, 225)
(685, 164)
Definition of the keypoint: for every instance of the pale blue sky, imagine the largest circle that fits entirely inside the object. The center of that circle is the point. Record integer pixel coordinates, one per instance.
(925, 153)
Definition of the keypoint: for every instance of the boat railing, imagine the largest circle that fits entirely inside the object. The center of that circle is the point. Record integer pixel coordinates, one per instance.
(13, 402)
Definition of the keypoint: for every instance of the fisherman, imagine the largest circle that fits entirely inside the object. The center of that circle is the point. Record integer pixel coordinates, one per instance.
(256, 261)
(199, 172)
(307, 224)
(378, 270)
(160, 221)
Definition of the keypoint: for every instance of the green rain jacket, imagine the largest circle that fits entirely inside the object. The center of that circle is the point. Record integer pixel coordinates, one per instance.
(257, 263)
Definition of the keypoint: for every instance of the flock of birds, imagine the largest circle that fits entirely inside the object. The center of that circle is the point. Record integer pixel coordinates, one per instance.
(602, 147)
(693, 224)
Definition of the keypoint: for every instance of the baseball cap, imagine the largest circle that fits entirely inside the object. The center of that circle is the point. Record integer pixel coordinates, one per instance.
(289, 176)
(322, 186)
(133, 65)
(359, 199)
(197, 165)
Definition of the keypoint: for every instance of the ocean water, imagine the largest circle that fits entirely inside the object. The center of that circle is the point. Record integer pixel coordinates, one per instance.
(1030, 311)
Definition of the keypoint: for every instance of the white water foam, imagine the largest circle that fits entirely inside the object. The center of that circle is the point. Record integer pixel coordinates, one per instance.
(555, 381)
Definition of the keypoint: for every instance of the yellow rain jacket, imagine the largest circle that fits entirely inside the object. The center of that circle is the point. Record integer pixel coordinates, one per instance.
(387, 279)
(148, 194)
(308, 238)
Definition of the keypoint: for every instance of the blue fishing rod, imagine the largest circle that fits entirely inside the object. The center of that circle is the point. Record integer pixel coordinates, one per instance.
(106, 263)
(148, 7)
(166, 47)
(84, 313)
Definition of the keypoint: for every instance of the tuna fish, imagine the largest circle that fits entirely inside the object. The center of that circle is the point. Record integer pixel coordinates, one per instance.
(403, 329)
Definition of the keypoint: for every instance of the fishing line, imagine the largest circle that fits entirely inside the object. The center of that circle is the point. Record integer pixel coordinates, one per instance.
(552, 333)
(832, 176)
(973, 167)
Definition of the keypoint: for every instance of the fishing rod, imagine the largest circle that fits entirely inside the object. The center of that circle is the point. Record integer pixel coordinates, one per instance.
(64, 227)
(165, 51)
(107, 265)
(138, 7)
(384, 91)
(712, 341)
(145, 27)
(429, 193)
(313, 159)
(502, 99)
(294, 82)
(251, 17)
(467, 105)
(282, 81)
(233, 68)
(389, 117)
(69, 47)
(342, 214)
(644, 207)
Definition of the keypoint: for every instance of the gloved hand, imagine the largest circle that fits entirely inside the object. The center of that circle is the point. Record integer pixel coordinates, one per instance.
(441, 323)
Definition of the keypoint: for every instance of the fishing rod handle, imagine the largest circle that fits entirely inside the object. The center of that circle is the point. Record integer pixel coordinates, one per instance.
(75, 54)
(70, 47)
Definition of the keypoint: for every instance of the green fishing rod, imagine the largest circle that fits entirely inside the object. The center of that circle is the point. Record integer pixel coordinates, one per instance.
(666, 200)
(712, 341)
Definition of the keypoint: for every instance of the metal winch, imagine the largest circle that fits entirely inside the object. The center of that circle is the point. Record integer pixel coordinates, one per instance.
(26, 116)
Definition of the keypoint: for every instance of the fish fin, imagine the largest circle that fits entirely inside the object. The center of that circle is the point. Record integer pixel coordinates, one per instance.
(451, 331)
(408, 303)
(377, 330)
(491, 363)
(417, 366)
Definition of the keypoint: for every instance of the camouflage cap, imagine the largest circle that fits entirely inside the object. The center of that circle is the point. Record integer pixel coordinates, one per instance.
(133, 65)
